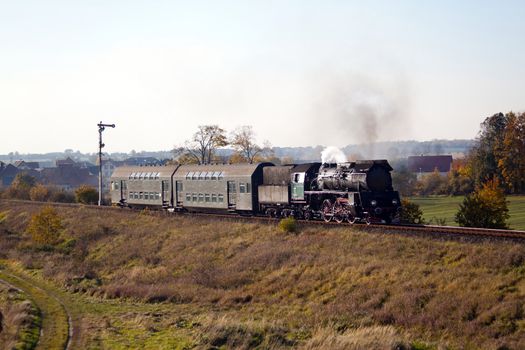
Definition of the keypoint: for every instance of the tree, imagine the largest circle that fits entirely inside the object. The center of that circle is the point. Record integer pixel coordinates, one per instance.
(404, 180)
(511, 154)
(21, 186)
(39, 193)
(45, 226)
(86, 194)
(483, 156)
(204, 144)
(486, 207)
(411, 213)
(243, 142)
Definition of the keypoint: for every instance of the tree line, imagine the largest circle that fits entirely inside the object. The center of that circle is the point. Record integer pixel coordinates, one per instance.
(203, 147)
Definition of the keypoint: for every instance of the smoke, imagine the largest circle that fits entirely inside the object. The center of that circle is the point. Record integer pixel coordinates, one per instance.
(333, 154)
(364, 110)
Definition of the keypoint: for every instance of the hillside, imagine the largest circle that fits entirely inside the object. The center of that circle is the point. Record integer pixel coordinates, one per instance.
(142, 280)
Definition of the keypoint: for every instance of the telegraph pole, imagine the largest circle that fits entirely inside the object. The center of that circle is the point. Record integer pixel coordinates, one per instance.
(101, 128)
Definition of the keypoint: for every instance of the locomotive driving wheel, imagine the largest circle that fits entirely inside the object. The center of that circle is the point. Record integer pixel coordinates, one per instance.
(339, 212)
(327, 210)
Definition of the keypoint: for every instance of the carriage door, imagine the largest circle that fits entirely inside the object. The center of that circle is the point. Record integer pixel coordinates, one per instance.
(165, 192)
(123, 189)
(232, 194)
(179, 189)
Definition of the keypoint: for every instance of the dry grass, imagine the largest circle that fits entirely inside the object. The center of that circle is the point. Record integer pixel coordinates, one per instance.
(19, 320)
(316, 289)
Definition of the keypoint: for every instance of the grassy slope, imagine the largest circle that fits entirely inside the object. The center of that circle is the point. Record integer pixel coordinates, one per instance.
(20, 319)
(446, 208)
(140, 281)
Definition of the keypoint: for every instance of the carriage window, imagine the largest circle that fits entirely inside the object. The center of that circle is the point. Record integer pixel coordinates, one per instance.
(208, 175)
(152, 195)
(157, 175)
(248, 185)
(202, 175)
(157, 196)
(214, 175)
(179, 186)
(188, 197)
(195, 175)
(189, 175)
(146, 176)
(242, 188)
(221, 175)
(141, 195)
(214, 198)
(221, 198)
(201, 197)
(131, 176)
(206, 197)
(194, 197)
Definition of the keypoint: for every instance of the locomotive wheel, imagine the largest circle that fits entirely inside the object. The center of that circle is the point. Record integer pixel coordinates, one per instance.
(368, 220)
(327, 210)
(271, 213)
(339, 214)
(307, 215)
(351, 219)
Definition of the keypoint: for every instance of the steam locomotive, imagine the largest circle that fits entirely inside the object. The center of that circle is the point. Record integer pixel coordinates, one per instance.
(353, 191)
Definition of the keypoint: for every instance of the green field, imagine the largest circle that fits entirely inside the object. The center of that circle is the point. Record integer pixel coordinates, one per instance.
(446, 207)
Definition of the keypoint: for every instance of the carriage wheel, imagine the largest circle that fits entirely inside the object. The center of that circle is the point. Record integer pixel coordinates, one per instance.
(327, 210)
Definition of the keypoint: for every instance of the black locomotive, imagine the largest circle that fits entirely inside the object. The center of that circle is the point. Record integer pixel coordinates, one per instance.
(354, 191)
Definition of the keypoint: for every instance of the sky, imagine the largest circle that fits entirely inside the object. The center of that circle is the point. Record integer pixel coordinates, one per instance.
(302, 73)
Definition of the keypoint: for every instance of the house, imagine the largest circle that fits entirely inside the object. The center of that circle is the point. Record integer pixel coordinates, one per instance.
(68, 177)
(423, 165)
(23, 165)
(68, 162)
(138, 161)
(8, 173)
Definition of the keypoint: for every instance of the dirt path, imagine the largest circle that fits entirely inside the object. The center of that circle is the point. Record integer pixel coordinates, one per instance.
(57, 327)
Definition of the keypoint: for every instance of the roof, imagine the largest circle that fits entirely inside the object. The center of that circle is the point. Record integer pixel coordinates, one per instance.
(427, 164)
(68, 176)
(67, 161)
(243, 169)
(126, 171)
(22, 164)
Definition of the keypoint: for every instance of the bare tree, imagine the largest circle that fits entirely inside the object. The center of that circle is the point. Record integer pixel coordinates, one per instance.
(203, 145)
(243, 141)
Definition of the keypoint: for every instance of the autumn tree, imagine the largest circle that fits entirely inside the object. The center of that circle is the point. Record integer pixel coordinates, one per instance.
(86, 194)
(485, 207)
(483, 157)
(45, 226)
(203, 145)
(511, 153)
(243, 142)
(21, 186)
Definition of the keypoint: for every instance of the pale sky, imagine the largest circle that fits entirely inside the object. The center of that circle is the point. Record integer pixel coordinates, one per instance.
(300, 72)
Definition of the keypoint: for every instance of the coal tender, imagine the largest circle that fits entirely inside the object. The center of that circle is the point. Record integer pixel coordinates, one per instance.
(353, 191)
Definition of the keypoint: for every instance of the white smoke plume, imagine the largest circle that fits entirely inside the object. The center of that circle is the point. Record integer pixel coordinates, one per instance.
(333, 154)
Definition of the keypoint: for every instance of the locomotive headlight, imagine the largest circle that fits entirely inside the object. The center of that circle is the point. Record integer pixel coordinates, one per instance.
(394, 201)
(373, 203)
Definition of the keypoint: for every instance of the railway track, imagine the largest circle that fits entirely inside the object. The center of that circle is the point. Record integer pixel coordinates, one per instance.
(418, 229)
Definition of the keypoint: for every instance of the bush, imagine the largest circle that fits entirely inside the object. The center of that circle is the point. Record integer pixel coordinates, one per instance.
(45, 226)
(86, 194)
(411, 213)
(61, 196)
(39, 193)
(486, 207)
(288, 225)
